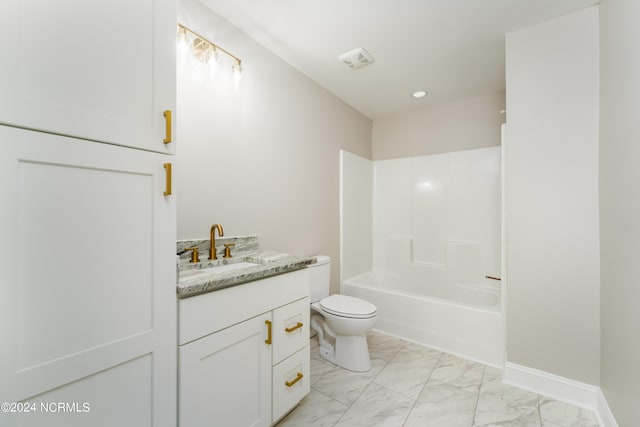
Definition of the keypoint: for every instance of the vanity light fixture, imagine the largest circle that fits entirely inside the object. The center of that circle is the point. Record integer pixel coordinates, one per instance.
(206, 52)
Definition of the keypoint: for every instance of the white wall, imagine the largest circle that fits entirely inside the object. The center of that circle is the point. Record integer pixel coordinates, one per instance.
(461, 125)
(552, 197)
(264, 160)
(445, 209)
(620, 207)
(356, 194)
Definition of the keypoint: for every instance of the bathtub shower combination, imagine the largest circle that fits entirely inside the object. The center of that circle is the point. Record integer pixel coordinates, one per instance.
(465, 320)
(435, 233)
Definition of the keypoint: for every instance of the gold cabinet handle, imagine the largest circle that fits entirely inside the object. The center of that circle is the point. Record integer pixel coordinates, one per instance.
(298, 326)
(268, 340)
(167, 131)
(295, 380)
(167, 168)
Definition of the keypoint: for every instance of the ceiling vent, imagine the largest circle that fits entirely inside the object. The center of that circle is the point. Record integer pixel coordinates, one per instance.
(357, 58)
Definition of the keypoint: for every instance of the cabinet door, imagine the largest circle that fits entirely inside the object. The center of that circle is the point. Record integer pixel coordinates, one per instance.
(225, 378)
(101, 70)
(87, 278)
(290, 329)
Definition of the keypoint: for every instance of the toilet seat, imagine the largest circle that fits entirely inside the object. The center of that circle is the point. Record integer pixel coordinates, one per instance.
(346, 306)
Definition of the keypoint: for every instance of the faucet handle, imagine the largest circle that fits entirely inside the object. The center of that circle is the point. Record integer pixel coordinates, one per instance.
(227, 249)
(194, 254)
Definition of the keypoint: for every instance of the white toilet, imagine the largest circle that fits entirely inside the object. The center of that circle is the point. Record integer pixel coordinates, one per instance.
(342, 322)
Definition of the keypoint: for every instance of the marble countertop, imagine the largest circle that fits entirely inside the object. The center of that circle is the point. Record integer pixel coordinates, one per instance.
(208, 276)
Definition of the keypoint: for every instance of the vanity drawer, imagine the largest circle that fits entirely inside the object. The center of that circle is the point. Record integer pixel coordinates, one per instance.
(291, 382)
(204, 314)
(290, 329)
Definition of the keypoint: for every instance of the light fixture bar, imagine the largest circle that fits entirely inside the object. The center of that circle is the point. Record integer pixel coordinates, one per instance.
(213, 45)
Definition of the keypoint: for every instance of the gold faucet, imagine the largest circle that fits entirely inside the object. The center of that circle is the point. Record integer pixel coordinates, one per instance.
(212, 243)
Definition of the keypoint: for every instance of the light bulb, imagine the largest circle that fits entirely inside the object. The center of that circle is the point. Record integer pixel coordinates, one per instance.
(183, 45)
(212, 61)
(237, 74)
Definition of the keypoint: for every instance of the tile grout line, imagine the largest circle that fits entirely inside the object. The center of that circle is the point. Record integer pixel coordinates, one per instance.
(359, 395)
(329, 397)
(475, 408)
(538, 407)
(380, 385)
(370, 382)
(415, 402)
(326, 395)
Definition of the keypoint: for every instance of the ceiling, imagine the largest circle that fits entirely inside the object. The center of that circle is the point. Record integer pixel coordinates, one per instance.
(453, 49)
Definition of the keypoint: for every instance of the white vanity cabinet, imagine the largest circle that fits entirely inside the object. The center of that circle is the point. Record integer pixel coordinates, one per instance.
(243, 356)
(101, 70)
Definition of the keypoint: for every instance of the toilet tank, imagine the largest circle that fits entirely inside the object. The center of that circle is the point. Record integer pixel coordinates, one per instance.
(320, 277)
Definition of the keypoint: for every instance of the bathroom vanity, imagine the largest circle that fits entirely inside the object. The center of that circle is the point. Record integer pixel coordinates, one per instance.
(243, 346)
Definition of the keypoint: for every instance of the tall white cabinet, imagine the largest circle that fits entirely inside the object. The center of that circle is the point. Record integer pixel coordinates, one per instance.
(87, 255)
(101, 70)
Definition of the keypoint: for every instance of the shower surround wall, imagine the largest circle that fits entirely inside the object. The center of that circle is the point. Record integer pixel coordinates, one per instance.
(440, 211)
(435, 225)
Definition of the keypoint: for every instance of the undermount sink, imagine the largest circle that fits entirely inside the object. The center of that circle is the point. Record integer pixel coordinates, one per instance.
(195, 273)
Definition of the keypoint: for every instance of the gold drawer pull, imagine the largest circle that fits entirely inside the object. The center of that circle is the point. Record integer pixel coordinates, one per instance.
(268, 340)
(295, 380)
(167, 131)
(167, 168)
(298, 326)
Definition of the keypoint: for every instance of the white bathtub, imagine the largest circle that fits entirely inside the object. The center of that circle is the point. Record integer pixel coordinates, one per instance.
(425, 308)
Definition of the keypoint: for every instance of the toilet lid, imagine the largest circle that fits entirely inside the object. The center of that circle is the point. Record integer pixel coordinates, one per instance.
(345, 306)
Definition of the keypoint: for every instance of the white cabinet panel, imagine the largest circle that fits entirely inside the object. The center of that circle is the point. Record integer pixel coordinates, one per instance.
(291, 382)
(118, 396)
(225, 378)
(87, 273)
(81, 257)
(101, 70)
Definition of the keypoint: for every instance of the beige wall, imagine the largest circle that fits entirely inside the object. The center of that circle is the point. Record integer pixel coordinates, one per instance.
(265, 160)
(551, 150)
(461, 125)
(356, 215)
(620, 207)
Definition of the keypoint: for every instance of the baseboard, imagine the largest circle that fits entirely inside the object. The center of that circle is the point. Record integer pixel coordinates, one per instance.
(564, 389)
(605, 416)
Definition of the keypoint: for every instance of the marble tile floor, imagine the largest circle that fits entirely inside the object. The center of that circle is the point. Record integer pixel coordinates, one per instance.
(410, 385)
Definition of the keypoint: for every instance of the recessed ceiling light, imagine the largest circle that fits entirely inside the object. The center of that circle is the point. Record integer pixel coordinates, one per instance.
(419, 94)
